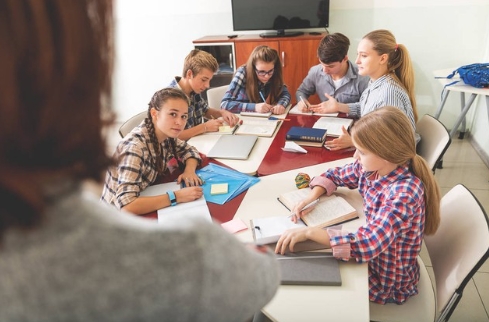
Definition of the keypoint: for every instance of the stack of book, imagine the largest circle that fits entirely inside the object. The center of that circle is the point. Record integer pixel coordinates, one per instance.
(306, 136)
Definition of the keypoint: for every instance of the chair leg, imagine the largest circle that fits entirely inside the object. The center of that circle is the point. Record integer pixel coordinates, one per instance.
(439, 164)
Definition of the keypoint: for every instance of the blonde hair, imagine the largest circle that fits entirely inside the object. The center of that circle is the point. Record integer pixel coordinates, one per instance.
(387, 133)
(197, 60)
(267, 55)
(399, 61)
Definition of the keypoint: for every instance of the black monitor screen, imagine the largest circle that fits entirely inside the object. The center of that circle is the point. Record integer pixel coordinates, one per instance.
(279, 14)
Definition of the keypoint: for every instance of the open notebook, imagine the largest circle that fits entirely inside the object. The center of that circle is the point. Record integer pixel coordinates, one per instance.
(236, 147)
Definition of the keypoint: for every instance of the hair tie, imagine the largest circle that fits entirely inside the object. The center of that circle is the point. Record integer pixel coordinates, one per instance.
(397, 46)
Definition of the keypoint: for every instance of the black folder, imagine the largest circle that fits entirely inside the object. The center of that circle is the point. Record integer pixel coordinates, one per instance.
(309, 269)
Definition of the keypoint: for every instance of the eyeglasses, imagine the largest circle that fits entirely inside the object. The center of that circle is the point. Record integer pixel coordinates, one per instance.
(263, 73)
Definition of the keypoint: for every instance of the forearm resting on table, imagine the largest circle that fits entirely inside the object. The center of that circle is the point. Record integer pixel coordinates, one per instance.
(144, 205)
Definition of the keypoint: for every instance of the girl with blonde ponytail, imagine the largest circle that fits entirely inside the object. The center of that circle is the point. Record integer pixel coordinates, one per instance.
(401, 203)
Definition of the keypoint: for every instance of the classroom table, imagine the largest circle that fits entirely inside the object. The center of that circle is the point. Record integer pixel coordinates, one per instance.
(348, 302)
(276, 160)
(462, 89)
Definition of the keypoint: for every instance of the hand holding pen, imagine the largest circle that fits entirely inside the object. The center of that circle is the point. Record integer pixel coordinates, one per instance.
(304, 207)
(263, 107)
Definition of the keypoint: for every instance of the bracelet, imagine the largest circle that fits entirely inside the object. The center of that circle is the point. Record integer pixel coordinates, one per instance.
(173, 199)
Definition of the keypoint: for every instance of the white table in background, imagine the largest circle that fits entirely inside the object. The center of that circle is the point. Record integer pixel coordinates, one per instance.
(462, 89)
(348, 302)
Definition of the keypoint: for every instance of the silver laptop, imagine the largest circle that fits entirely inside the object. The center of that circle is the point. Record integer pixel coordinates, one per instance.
(236, 147)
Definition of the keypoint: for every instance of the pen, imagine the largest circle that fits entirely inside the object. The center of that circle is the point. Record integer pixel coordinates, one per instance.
(312, 203)
(262, 97)
(302, 100)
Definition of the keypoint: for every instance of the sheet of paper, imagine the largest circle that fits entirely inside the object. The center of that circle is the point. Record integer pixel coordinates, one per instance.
(291, 146)
(234, 225)
(197, 208)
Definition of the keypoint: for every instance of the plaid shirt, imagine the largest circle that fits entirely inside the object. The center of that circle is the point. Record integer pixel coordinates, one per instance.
(137, 165)
(236, 100)
(197, 108)
(391, 239)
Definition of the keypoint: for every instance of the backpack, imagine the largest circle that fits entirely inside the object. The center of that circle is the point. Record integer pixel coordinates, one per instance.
(476, 75)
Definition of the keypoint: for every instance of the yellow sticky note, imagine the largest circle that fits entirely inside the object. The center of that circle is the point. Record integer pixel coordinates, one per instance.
(219, 188)
(224, 128)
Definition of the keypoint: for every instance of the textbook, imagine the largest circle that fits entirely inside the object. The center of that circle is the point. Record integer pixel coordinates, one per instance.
(329, 210)
(306, 136)
(258, 126)
(333, 125)
(309, 269)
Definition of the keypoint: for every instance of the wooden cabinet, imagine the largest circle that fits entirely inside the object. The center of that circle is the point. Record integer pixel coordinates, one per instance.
(297, 54)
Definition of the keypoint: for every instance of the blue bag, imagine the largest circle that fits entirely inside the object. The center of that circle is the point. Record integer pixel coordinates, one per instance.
(476, 75)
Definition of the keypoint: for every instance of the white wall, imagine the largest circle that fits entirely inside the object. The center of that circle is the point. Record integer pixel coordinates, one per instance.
(154, 36)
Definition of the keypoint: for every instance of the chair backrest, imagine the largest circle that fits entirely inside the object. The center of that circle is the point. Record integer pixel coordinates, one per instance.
(435, 140)
(215, 95)
(131, 123)
(458, 248)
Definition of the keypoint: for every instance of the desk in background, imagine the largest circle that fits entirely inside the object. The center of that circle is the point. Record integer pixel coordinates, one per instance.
(348, 302)
(465, 105)
(276, 160)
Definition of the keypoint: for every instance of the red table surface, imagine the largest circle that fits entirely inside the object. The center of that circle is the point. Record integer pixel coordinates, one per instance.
(276, 160)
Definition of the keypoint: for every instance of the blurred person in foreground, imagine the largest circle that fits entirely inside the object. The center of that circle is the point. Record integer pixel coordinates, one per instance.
(65, 255)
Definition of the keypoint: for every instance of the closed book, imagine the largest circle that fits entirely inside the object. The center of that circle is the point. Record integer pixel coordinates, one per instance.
(309, 269)
(297, 133)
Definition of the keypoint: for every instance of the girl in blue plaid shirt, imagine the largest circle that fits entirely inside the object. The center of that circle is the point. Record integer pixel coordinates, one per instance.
(401, 203)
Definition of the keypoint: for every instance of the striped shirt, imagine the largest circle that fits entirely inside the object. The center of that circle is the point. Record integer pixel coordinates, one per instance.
(391, 239)
(136, 168)
(385, 91)
(197, 108)
(236, 100)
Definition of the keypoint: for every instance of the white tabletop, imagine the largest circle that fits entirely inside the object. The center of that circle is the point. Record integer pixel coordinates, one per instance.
(348, 302)
(205, 142)
(458, 87)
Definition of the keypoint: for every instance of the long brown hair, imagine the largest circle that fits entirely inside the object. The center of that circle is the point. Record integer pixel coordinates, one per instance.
(387, 132)
(267, 55)
(56, 62)
(159, 98)
(399, 62)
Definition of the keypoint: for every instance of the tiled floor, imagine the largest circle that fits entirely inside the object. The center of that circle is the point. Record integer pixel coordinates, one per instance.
(463, 165)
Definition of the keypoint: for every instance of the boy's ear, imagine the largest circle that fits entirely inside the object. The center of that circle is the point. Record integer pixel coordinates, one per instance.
(189, 74)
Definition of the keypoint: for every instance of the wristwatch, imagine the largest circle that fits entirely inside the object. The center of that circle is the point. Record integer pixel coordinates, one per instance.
(171, 196)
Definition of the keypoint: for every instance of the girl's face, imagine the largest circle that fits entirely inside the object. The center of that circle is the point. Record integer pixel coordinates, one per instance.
(264, 71)
(369, 62)
(170, 120)
(372, 162)
(201, 81)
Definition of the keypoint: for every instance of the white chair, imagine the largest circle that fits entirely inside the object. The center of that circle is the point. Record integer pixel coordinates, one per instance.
(457, 250)
(215, 95)
(131, 123)
(435, 140)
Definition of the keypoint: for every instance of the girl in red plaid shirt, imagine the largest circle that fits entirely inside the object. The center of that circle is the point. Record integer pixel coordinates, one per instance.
(401, 203)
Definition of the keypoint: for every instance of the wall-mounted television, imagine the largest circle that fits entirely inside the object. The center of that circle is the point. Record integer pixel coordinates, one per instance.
(280, 17)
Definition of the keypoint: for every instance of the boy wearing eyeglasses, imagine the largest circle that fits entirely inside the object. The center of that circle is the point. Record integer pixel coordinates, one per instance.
(258, 86)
